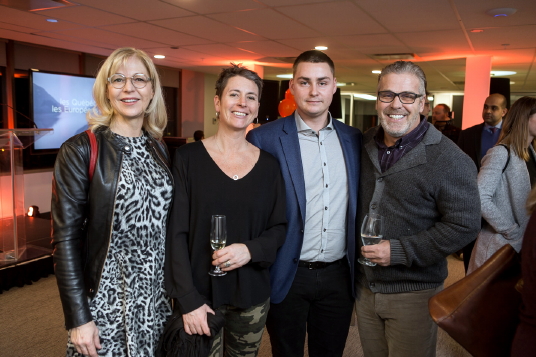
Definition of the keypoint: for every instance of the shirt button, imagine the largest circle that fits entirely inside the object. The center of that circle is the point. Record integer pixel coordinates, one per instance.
(127, 148)
(388, 152)
(325, 229)
(326, 208)
(301, 231)
(322, 251)
(324, 164)
(373, 206)
(380, 179)
(326, 185)
(321, 143)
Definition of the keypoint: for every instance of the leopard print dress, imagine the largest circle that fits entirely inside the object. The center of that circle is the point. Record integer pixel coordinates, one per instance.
(130, 307)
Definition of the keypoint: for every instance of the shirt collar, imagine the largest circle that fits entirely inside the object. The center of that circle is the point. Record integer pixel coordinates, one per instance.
(303, 127)
(406, 139)
(498, 126)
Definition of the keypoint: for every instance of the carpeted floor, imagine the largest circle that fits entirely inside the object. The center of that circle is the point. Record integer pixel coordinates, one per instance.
(32, 323)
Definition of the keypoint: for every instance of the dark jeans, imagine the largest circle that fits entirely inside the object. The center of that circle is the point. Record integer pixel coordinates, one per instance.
(320, 303)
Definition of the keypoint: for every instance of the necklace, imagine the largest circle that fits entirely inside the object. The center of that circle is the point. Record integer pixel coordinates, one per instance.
(235, 177)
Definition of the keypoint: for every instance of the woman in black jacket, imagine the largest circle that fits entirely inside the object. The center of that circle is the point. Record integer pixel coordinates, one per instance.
(109, 230)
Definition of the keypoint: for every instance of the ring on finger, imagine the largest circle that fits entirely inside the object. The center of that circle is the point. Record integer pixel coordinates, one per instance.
(227, 264)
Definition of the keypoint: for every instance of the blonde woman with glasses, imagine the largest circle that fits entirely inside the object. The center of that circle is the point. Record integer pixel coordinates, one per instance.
(109, 229)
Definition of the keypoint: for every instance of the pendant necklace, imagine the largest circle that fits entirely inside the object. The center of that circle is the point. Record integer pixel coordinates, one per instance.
(235, 177)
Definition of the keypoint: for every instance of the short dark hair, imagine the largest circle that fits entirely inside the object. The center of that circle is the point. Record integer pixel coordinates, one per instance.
(237, 70)
(446, 108)
(313, 56)
(403, 67)
(198, 135)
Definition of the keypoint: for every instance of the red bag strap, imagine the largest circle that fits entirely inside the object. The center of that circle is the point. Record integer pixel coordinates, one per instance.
(93, 153)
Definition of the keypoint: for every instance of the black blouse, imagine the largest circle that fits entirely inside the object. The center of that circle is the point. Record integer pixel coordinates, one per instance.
(255, 209)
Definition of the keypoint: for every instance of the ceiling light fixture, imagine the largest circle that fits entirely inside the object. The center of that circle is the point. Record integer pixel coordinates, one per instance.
(365, 96)
(321, 48)
(376, 71)
(430, 98)
(502, 73)
(477, 30)
(289, 76)
(340, 84)
(159, 56)
(52, 20)
(512, 82)
(501, 12)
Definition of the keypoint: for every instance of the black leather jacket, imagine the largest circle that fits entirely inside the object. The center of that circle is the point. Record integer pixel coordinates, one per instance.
(79, 253)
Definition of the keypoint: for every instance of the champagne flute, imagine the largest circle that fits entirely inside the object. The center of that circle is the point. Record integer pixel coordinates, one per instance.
(371, 233)
(218, 238)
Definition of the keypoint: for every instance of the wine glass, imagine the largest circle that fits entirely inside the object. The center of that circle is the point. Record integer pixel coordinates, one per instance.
(371, 233)
(218, 238)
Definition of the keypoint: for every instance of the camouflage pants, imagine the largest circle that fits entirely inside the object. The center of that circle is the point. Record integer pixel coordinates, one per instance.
(243, 331)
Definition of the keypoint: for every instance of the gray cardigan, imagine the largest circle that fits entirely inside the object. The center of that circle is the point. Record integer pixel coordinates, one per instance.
(503, 196)
(430, 202)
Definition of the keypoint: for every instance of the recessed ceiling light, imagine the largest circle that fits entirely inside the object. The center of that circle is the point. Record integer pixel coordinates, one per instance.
(430, 98)
(159, 56)
(52, 20)
(365, 96)
(502, 73)
(501, 12)
(340, 84)
(284, 76)
(512, 82)
(321, 48)
(376, 71)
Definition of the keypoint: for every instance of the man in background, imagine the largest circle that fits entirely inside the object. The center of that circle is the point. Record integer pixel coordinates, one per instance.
(443, 122)
(199, 135)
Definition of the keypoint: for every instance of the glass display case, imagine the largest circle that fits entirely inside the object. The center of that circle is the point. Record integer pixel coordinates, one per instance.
(12, 208)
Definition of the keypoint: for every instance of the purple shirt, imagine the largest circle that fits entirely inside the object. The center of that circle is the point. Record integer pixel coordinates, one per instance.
(388, 156)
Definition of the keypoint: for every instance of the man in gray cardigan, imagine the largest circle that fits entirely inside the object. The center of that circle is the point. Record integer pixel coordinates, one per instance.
(425, 188)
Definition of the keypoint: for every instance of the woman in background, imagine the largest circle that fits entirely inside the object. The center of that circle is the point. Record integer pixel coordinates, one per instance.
(111, 274)
(508, 171)
(226, 175)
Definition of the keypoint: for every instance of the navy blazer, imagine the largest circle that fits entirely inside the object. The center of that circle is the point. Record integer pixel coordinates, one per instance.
(470, 141)
(280, 138)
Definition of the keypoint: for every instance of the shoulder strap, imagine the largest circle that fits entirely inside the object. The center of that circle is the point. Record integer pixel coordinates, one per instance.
(508, 157)
(93, 153)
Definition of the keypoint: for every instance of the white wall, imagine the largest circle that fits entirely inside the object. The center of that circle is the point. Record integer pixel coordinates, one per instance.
(38, 190)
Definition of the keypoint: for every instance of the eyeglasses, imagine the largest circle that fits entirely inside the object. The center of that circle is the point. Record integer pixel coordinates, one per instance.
(387, 96)
(139, 80)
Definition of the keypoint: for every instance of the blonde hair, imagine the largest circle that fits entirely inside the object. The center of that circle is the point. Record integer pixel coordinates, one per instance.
(102, 114)
(515, 128)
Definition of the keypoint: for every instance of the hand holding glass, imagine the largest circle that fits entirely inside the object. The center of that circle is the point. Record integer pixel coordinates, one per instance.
(371, 233)
(218, 238)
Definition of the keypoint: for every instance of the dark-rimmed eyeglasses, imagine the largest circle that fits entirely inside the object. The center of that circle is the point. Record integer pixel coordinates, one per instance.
(139, 80)
(387, 96)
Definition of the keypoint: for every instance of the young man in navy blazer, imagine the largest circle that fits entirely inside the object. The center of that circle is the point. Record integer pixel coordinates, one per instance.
(313, 276)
